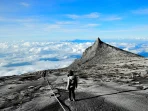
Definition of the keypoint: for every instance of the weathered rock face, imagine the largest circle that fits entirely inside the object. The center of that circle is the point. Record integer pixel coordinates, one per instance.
(101, 52)
(92, 51)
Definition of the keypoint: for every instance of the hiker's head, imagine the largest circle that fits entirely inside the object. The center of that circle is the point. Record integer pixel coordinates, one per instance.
(70, 73)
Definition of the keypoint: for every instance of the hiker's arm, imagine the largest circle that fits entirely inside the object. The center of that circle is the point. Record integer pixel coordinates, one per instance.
(67, 83)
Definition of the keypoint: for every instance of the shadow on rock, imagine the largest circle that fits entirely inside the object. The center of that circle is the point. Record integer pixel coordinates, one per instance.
(88, 102)
(105, 95)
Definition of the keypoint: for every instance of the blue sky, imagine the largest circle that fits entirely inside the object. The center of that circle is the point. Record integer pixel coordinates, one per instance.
(73, 19)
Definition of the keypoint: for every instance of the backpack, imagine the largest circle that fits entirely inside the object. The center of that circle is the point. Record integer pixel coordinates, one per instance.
(72, 82)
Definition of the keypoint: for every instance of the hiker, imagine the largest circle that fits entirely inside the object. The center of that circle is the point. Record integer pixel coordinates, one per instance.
(71, 85)
(44, 74)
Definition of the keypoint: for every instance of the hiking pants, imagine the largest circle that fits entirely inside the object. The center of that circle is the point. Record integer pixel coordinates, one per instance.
(72, 91)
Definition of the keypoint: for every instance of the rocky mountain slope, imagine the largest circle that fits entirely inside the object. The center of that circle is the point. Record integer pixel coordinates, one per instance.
(101, 52)
(110, 79)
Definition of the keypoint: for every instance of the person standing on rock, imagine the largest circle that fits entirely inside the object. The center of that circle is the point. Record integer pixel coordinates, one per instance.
(71, 85)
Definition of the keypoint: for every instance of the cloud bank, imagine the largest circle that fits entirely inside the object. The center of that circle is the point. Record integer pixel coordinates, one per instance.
(22, 57)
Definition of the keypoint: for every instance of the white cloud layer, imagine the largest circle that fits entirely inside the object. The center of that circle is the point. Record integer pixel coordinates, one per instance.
(22, 57)
(137, 48)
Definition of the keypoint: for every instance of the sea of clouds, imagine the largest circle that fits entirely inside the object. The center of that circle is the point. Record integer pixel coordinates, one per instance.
(24, 56)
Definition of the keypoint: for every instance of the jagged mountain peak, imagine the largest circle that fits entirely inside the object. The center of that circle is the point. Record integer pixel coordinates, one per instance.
(92, 50)
(98, 41)
(101, 52)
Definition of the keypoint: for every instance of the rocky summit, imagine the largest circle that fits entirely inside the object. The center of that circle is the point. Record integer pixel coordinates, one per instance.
(110, 79)
(101, 52)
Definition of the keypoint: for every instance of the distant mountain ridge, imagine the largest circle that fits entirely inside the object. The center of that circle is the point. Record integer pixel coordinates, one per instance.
(80, 41)
(101, 52)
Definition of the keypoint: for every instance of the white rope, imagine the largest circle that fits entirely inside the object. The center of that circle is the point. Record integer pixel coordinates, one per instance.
(55, 96)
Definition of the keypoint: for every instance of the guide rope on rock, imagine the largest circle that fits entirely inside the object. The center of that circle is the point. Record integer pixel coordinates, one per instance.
(44, 75)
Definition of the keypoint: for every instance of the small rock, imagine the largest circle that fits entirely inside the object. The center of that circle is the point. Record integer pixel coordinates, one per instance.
(10, 87)
(37, 95)
(57, 95)
(55, 91)
(108, 80)
(140, 87)
(137, 82)
(145, 87)
(42, 89)
(143, 73)
(22, 93)
(30, 87)
(13, 96)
